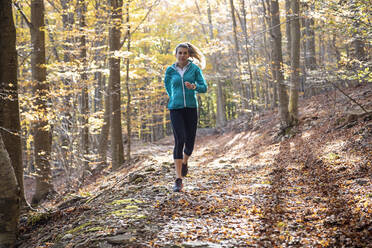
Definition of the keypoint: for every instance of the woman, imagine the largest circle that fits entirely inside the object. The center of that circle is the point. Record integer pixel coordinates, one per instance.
(182, 80)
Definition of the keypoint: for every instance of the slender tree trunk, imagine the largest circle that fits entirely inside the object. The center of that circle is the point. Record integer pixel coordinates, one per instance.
(237, 50)
(267, 77)
(66, 123)
(117, 149)
(129, 131)
(321, 46)
(277, 61)
(11, 169)
(9, 193)
(289, 16)
(84, 93)
(52, 41)
(310, 59)
(254, 55)
(103, 138)
(295, 63)
(247, 50)
(199, 12)
(42, 129)
(98, 57)
(221, 117)
(10, 127)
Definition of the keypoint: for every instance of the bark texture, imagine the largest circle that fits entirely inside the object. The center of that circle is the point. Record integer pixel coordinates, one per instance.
(295, 63)
(42, 129)
(9, 200)
(277, 61)
(9, 105)
(117, 149)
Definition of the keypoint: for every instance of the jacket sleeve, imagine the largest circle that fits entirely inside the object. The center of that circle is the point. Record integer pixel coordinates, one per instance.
(201, 85)
(167, 78)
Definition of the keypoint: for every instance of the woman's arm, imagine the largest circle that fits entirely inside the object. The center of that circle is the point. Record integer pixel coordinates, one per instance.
(167, 81)
(201, 85)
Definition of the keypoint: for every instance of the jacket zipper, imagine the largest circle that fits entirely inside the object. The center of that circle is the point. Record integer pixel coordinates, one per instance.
(184, 95)
(183, 85)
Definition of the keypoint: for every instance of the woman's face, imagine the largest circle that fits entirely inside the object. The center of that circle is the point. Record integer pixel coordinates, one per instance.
(182, 55)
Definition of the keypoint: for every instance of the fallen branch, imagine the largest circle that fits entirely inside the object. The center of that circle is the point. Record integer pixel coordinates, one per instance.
(351, 99)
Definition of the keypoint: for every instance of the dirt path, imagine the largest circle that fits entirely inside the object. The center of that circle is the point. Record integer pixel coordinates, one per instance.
(244, 189)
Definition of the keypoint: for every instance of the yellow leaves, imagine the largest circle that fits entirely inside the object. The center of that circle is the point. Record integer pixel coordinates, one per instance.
(281, 224)
(183, 202)
(324, 243)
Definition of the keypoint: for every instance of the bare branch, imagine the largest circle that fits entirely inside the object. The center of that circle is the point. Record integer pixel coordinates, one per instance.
(147, 14)
(29, 24)
(351, 99)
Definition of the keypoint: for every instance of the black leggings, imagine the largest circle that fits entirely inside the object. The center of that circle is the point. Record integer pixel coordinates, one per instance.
(184, 123)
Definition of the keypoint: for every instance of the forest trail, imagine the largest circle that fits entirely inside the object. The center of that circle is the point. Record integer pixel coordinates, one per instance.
(245, 188)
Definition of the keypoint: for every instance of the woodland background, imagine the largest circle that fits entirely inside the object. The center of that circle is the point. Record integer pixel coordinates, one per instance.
(81, 81)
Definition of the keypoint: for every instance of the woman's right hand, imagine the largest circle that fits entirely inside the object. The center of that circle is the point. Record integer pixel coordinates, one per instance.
(190, 86)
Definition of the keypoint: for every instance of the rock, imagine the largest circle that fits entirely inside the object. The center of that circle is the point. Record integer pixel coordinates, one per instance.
(120, 239)
(165, 169)
(136, 178)
(159, 189)
(59, 244)
(198, 244)
(67, 236)
(104, 244)
(150, 169)
(361, 181)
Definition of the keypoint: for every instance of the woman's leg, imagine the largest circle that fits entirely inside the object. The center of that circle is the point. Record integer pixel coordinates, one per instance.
(191, 123)
(177, 121)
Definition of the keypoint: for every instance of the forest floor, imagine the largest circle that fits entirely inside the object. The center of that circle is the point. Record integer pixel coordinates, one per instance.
(246, 187)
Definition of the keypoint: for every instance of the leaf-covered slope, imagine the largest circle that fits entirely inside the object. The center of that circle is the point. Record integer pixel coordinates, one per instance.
(247, 188)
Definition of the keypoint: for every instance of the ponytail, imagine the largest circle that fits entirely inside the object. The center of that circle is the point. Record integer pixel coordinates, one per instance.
(194, 52)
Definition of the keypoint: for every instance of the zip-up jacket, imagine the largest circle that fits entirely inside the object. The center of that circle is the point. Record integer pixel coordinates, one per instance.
(179, 95)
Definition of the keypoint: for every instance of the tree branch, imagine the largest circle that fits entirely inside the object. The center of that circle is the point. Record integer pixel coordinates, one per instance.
(29, 24)
(147, 14)
(351, 99)
(54, 6)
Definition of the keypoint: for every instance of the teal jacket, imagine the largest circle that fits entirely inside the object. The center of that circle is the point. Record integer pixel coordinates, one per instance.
(179, 95)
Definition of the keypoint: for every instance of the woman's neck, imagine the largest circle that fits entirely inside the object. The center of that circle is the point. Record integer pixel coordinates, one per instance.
(182, 65)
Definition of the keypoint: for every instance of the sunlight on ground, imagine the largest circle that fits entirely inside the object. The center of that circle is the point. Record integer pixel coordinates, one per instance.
(333, 145)
(238, 136)
(307, 134)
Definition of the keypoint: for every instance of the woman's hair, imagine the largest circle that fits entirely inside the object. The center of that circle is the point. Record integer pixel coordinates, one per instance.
(194, 52)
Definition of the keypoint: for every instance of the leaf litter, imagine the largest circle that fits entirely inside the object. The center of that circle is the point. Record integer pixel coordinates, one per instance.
(246, 188)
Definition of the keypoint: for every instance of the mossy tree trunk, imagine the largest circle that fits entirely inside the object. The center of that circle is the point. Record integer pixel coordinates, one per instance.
(117, 149)
(9, 200)
(9, 105)
(42, 129)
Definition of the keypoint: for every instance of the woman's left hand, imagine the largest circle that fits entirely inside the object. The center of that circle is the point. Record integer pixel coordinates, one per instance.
(190, 86)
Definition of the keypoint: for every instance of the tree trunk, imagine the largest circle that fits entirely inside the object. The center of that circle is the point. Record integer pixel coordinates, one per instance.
(310, 59)
(10, 127)
(66, 122)
(42, 129)
(247, 50)
(295, 63)
(221, 117)
(99, 59)
(238, 65)
(267, 77)
(9, 193)
(103, 138)
(254, 57)
(277, 61)
(117, 149)
(288, 15)
(203, 25)
(84, 93)
(129, 131)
